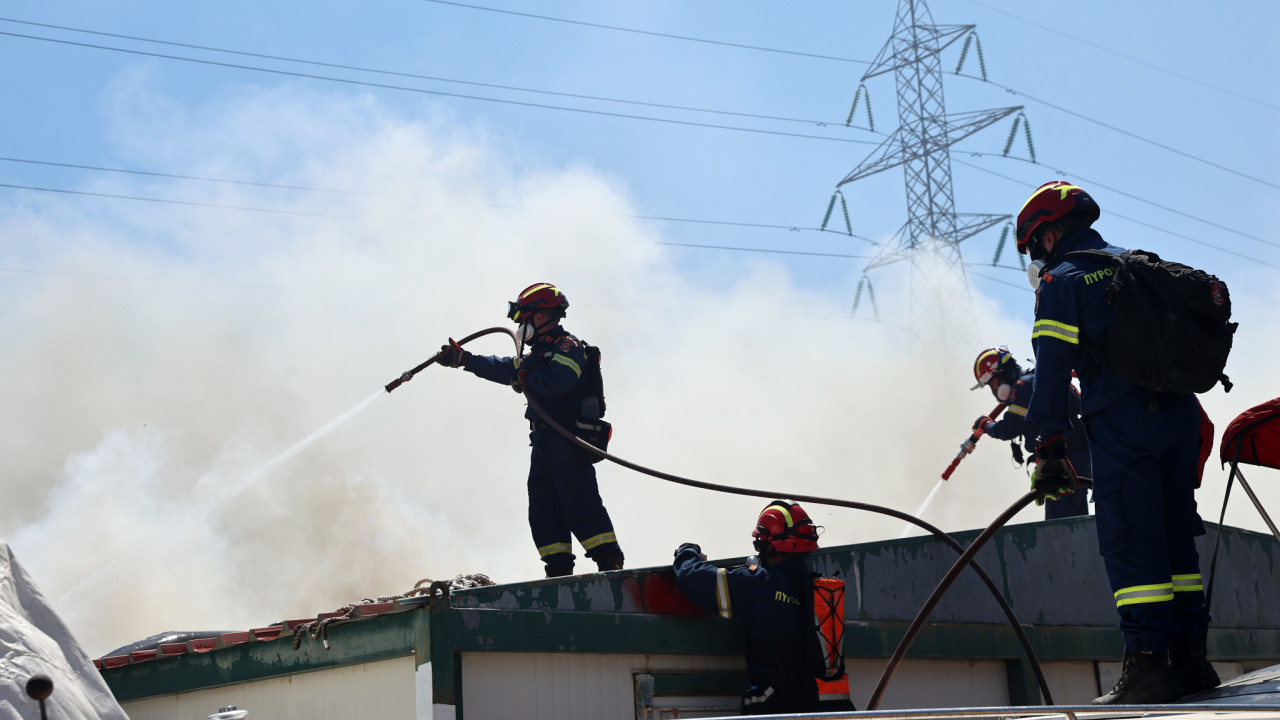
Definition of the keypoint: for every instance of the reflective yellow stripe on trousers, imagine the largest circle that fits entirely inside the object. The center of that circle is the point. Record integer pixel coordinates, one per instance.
(554, 548)
(1187, 583)
(1144, 594)
(596, 541)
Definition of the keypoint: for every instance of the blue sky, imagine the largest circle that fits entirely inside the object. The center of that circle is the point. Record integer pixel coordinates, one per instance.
(214, 324)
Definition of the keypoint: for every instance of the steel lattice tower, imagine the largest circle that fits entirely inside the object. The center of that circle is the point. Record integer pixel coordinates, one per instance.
(942, 315)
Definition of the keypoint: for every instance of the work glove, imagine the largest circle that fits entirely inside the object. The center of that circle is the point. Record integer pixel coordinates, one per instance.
(452, 355)
(517, 383)
(980, 425)
(692, 546)
(1053, 475)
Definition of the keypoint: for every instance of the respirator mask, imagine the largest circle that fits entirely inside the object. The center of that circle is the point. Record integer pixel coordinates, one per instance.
(1033, 273)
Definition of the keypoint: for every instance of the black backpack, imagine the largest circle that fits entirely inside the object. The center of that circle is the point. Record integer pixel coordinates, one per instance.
(1170, 329)
(589, 425)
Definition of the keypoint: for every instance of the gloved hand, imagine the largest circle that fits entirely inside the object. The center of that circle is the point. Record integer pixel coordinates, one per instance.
(694, 547)
(521, 374)
(452, 355)
(1053, 475)
(980, 425)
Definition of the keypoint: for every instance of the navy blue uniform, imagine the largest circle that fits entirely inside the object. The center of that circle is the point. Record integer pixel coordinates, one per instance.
(1145, 449)
(1013, 426)
(563, 495)
(766, 601)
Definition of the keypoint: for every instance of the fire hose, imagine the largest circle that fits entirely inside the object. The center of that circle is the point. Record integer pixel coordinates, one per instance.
(965, 555)
(967, 445)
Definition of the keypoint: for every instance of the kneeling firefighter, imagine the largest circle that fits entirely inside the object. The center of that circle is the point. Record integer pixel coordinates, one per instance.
(561, 374)
(794, 619)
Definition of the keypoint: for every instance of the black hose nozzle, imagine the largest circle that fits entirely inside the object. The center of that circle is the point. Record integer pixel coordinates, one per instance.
(404, 378)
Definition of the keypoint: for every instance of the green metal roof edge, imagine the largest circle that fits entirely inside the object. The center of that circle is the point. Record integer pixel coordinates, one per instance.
(440, 634)
(481, 630)
(377, 638)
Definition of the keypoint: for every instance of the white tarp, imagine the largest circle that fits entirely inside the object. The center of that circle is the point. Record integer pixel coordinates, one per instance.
(33, 640)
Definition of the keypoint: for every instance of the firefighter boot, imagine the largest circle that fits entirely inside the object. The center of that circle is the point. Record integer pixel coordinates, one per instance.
(1190, 664)
(559, 565)
(610, 559)
(1146, 679)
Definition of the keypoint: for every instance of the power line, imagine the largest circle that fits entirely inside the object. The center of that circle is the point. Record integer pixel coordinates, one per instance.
(688, 123)
(763, 250)
(176, 202)
(1171, 233)
(649, 32)
(820, 123)
(1126, 57)
(826, 57)
(360, 219)
(318, 63)
(1126, 133)
(997, 280)
(1166, 208)
(147, 173)
(173, 176)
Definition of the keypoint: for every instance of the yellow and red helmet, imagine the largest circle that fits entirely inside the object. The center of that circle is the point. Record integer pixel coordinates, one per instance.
(785, 527)
(1051, 202)
(991, 363)
(535, 298)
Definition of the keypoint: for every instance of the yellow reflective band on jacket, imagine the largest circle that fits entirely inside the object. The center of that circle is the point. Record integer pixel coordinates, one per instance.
(569, 362)
(1055, 329)
(1187, 583)
(555, 548)
(596, 541)
(722, 593)
(1144, 594)
(1017, 410)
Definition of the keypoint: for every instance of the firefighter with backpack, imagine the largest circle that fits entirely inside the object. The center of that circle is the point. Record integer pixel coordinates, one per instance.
(793, 618)
(1145, 444)
(563, 375)
(996, 369)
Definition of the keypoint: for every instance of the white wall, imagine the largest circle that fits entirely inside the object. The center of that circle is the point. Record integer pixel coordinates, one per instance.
(383, 689)
(565, 686)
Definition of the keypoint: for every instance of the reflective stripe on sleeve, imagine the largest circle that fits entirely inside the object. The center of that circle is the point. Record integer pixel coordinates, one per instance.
(1187, 583)
(1055, 329)
(568, 362)
(1017, 410)
(1144, 594)
(722, 593)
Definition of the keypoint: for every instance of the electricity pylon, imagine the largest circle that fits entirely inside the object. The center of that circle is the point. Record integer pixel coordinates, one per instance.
(942, 316)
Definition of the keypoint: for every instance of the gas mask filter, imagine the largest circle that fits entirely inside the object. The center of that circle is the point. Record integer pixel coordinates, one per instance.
(1003, 392)
(1033, 273)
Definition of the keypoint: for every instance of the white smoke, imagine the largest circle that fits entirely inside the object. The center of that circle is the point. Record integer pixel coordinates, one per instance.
(166, 362)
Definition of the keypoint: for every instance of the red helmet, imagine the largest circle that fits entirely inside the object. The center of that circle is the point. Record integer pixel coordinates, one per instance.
(784, 526)
(1051, 202)
(538, 296)
(991, 363)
